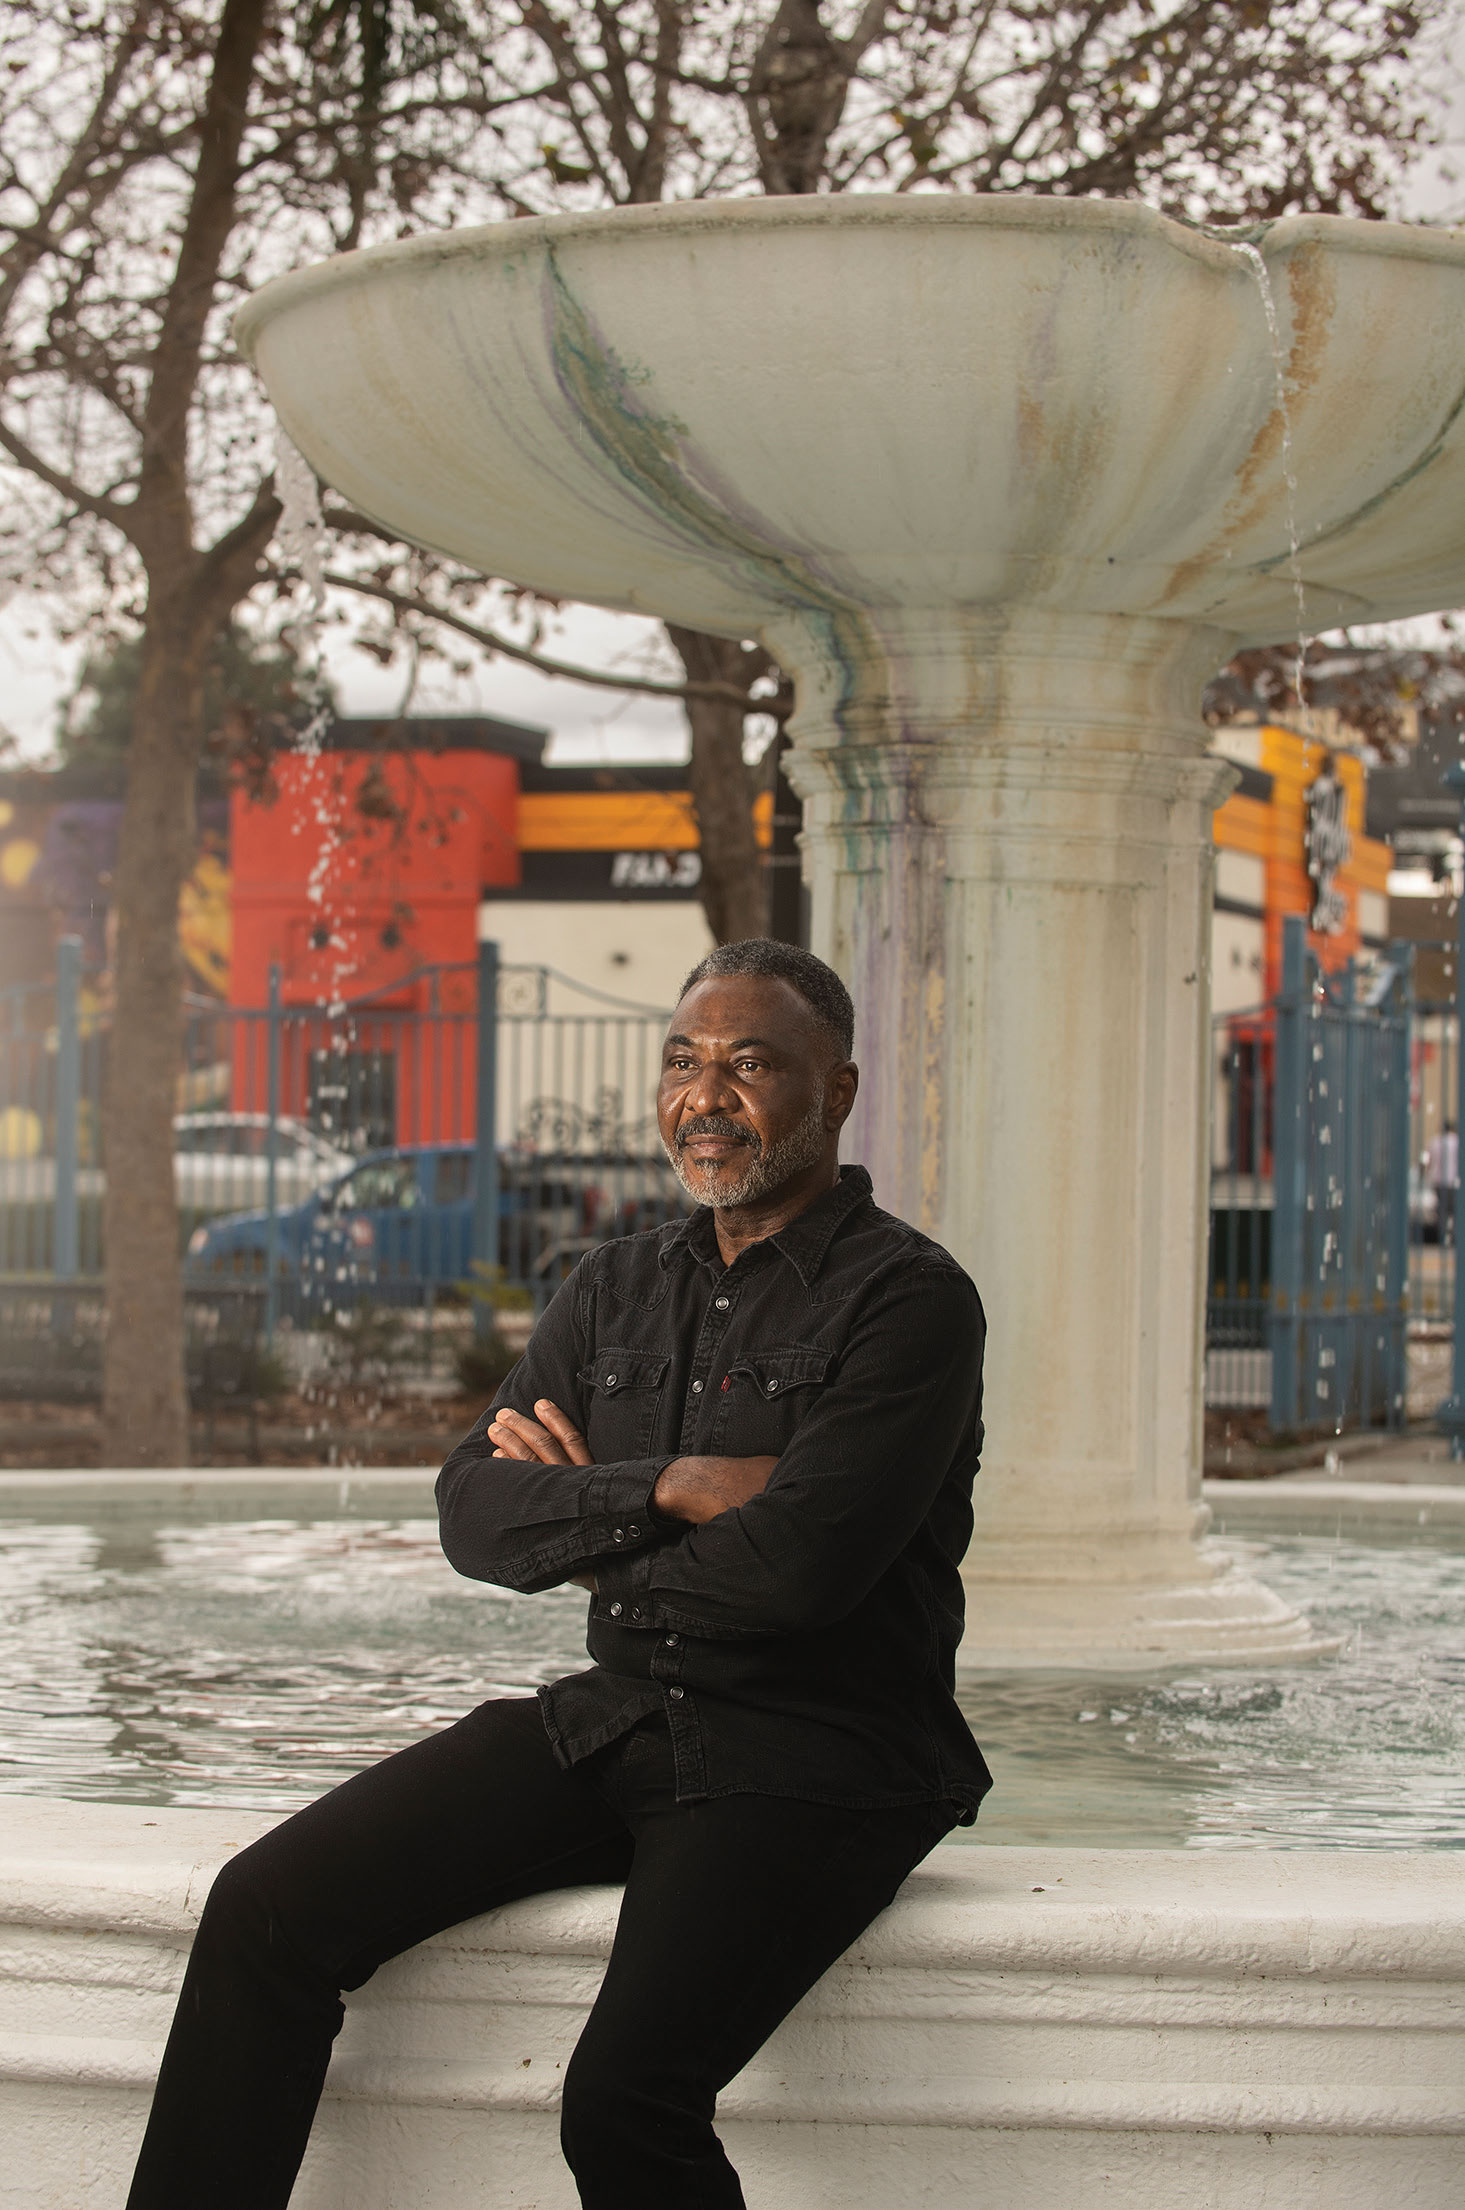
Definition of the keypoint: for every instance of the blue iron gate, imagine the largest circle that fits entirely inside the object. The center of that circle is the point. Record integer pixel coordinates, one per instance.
(1340, 1231)
(1308, 1296)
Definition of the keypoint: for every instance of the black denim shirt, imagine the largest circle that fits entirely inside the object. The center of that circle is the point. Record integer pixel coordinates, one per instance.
(802, 1645)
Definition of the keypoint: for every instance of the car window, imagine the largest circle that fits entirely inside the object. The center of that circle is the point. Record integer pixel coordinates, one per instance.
(197, 1137)
(288, 1142)
(454, 1179)
(311, 1144)
(382, 1185)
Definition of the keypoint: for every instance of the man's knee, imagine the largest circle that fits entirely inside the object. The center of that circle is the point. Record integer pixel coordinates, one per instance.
(623, 2103)
(241, 1901)
(251, 1922)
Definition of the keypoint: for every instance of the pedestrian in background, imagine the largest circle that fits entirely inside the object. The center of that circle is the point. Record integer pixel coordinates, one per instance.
(1442, 1171)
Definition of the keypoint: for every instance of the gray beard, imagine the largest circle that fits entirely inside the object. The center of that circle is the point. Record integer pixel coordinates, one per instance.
(765, 1170)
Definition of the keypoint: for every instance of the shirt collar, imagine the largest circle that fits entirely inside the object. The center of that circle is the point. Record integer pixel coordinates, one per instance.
(804, 1242)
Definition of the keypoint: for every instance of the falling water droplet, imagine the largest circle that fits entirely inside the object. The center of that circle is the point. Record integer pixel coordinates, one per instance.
(300, 535)
(1254, 261)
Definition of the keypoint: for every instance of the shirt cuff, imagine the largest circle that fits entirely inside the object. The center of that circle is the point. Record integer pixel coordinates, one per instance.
(620, 1591)
(621, 1495)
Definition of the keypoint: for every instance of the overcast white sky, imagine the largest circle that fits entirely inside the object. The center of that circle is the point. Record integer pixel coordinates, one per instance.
(586, 724)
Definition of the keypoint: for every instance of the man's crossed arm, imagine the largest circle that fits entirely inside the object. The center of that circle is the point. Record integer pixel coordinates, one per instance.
(721, 1547)
(692, 1489)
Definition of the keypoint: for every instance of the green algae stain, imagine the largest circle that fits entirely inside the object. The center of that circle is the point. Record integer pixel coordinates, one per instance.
(650, 454)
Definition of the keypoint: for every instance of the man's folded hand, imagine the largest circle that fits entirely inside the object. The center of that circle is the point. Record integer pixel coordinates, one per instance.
(552, 1438)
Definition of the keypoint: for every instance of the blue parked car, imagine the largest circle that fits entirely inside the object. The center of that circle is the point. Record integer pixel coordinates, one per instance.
(399, 1225)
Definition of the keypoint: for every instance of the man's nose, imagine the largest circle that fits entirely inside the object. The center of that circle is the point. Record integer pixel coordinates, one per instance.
(714, 1091)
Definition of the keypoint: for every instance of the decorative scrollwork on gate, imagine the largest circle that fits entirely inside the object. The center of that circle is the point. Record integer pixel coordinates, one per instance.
(561, 1124)
(524, 991)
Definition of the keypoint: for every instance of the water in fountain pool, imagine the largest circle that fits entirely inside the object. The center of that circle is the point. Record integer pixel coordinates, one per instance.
(147, 1656)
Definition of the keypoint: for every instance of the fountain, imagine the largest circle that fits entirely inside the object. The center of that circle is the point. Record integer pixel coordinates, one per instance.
(1001, 482)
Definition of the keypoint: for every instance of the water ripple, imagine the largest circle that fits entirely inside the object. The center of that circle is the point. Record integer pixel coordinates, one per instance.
(254, 1663)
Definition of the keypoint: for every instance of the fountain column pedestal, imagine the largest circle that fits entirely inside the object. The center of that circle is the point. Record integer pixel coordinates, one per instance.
(1008, 845)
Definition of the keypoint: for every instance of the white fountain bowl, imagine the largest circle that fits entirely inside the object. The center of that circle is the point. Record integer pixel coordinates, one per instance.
(727, 411)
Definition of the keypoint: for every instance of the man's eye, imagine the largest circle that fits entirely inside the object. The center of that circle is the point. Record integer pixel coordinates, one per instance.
(748, 1066)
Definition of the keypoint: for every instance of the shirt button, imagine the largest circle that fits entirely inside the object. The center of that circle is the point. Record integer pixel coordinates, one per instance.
(635, 1611)
(633, 1532)
(672, 1640)
(721, 1303)
(696, 1388)
(676, 1694)
(611, 1380)
(615, 1611)
(773, 1388)
(618, 1534)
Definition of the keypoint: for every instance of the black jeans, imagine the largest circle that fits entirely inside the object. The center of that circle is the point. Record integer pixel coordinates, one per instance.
(733, 1908)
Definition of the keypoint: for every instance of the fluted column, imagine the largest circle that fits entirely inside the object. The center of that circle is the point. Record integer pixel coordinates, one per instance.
(1008, 845)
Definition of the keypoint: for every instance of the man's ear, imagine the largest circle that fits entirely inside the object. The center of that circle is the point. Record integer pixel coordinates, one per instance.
(839, 1093)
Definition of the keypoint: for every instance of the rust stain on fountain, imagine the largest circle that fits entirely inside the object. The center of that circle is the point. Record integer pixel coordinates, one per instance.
(1312, 293)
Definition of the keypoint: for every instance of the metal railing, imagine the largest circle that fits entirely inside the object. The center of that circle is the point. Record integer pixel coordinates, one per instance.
(1314, 1196)
(460, 1139)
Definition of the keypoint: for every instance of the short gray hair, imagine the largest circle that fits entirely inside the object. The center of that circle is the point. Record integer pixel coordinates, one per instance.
(819, 986)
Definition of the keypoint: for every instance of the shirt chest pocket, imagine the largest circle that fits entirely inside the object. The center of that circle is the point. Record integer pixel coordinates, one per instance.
(622, 1390)
(766, 1395)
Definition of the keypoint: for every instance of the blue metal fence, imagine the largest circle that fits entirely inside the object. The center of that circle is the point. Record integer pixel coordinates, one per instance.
(1312, 1197)
(487, 1124)
(473, 1131)
(50, 1125)
(1339, 1287)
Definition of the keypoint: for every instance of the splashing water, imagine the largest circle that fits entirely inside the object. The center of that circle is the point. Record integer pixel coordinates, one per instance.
(300, 535)
(1254, 261)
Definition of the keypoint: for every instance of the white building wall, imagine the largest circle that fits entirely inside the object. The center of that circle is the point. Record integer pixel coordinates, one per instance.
(1238, 962)
(639, 950)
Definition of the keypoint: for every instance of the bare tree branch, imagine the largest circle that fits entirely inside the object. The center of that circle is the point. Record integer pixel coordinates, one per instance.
(75, 494)
(164, 506)
(28, 245)
(409, 602)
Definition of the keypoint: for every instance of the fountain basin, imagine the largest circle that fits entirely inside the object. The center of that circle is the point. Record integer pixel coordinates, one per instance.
(1023, 2028)
(245, 1641)
(1247, 2027)
(730, 412)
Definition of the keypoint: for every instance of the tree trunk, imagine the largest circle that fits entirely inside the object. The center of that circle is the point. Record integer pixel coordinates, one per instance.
(734, 887)
(144, 1395)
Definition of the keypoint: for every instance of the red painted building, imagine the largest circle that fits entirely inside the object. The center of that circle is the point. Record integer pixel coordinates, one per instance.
(357, 873)
(364, 867)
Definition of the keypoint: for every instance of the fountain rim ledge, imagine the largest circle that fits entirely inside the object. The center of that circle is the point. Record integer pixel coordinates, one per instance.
(1438, 1507)
(144, 1870)
(119, 1481)
(1212, 245)
(1267, 2025)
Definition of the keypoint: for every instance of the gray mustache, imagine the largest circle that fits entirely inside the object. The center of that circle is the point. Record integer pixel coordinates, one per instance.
(718, 1124)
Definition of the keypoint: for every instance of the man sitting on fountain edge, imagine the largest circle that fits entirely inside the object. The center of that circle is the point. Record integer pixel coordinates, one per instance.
(751, 1435)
